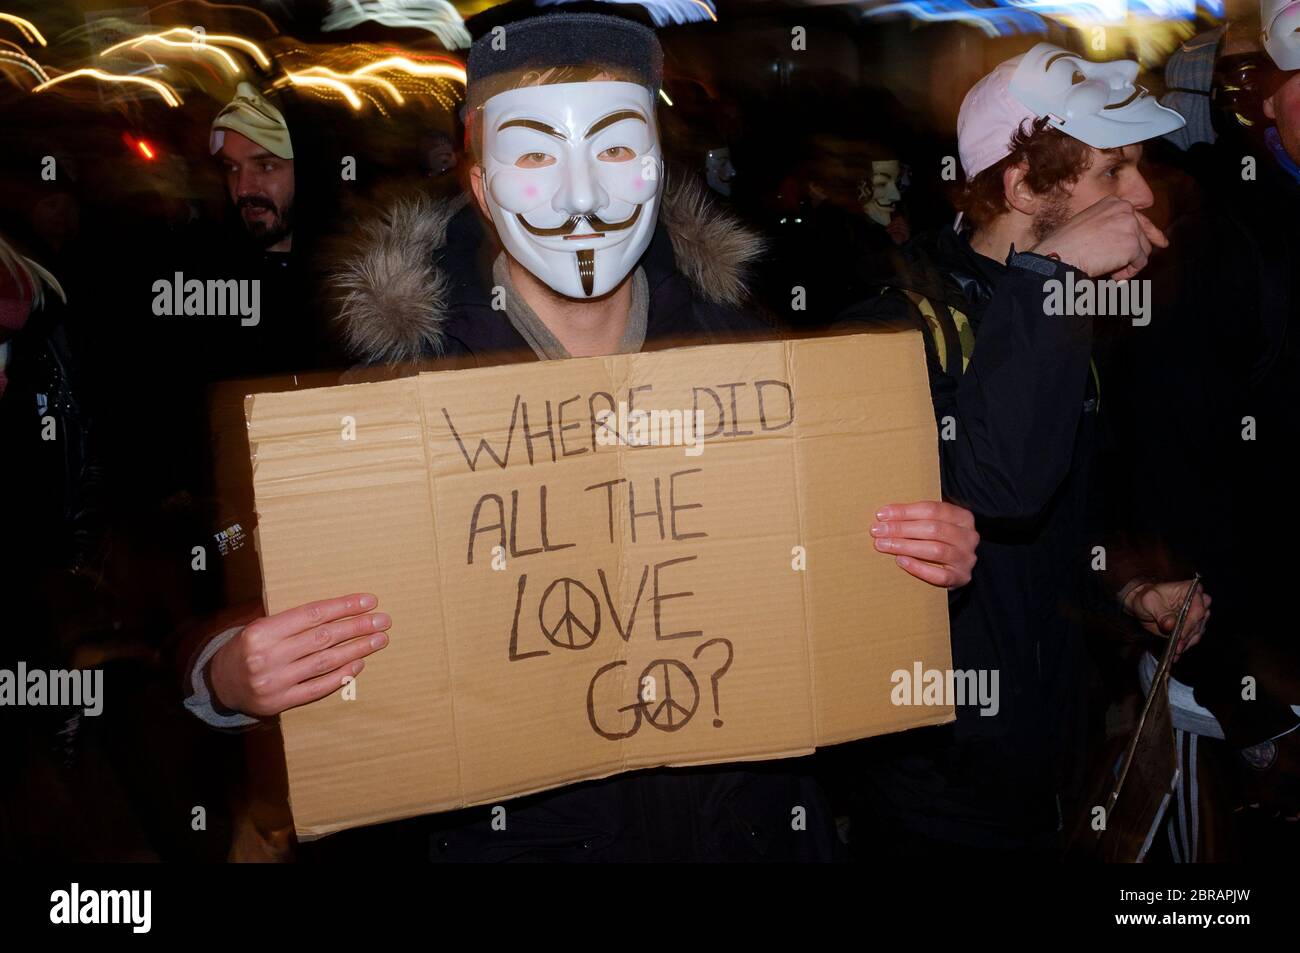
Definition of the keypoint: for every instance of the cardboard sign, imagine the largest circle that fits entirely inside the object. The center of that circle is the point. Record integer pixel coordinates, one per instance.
(596, 565)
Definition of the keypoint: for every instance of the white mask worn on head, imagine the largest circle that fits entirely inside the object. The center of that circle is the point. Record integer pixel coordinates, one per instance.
(1281, 19)
(1096, 103)
(571, 178)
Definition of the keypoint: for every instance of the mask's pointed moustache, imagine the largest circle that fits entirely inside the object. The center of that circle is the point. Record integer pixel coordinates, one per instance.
(598, 226)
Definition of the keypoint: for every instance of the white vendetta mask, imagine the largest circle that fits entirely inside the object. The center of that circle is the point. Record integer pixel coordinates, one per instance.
(1096, 103)
(886, 190)
(1281, 19)
(571, 177)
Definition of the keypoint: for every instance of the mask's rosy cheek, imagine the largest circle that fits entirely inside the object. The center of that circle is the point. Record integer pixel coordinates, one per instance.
(520, 192)
(636, 181)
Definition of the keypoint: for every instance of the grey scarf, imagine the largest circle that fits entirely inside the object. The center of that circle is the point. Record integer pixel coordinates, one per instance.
(539, 337)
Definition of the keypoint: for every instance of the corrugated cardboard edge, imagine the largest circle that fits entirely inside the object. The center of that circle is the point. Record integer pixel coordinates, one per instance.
(442, 605)
(940, 715)
(250, 401)
(624, 652)
(313, 833)
(804, 577)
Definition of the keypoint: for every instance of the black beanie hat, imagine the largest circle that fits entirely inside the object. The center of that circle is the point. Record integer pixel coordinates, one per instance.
(561, 39)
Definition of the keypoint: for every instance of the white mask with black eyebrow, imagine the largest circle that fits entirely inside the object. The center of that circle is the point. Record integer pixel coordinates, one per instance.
(1281, 36)
(1096, 103)
(572, 176)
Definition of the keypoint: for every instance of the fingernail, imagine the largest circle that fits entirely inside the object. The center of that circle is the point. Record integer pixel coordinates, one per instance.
(369, 602)
(877, 528)
(903, 561)
(381, 620)
(357, 667)
(882, 513)
(379, 641)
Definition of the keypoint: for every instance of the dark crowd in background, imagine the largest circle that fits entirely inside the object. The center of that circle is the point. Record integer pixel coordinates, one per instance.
(841, 155)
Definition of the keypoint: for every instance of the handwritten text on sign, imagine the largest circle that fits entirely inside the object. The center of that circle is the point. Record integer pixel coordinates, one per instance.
(570, 613)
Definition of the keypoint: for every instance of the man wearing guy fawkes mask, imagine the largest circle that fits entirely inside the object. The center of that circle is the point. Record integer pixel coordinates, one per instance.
(569, 172)
(596, 257)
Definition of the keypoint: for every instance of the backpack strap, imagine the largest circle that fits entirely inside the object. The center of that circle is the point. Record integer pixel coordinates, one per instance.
(943, 331)
(954, 339)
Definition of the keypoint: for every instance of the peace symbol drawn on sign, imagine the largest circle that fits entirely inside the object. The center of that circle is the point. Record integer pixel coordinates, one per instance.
(570, 631)
(667, 712)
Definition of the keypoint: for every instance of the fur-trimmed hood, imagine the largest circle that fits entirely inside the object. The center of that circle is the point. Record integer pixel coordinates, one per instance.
(396, 294)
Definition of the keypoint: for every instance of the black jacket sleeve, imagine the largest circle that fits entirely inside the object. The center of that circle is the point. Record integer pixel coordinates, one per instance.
(1007, 426)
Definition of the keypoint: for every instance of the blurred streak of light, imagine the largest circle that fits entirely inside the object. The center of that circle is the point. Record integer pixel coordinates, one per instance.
(324, 77)
(1150, 29)
(665, 97)
(1150, 41)
(709, 9)
(458, 74)
(26, 27)
(438, 17)
(376, 103)
(663, 12)
(401, 64)
(197, 40)
(994, 21)
(224, 6)
(235, 68)
(141, 146)
(154, 66)
(354, 77)
(190, 79)
(26, 62)
(1116, 12)
(343, 89)
(1027, 16)
(1086, 11)
(169, 95)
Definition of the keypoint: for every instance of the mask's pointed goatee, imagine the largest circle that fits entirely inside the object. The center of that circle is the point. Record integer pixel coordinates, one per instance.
(587, 269)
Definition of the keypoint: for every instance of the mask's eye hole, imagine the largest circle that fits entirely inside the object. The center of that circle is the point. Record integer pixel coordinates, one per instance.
(1077, 78)
(617, 154)
(534, 160)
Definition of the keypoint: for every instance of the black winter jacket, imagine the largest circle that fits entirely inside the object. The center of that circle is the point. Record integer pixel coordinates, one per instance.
(1020, 419)
(418, 288)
